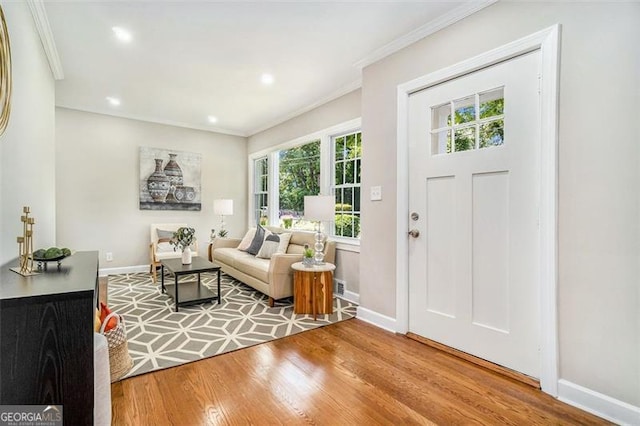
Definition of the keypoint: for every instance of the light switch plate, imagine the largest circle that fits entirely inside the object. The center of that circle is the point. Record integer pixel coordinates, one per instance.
(376, 193)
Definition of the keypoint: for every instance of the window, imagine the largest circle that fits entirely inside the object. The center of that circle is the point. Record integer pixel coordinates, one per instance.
(299, 175)
(326, 162)
(347, 156)
(261, 189)
(478, 123)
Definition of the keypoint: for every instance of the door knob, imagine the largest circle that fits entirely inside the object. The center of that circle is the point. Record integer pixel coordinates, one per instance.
(414, 233)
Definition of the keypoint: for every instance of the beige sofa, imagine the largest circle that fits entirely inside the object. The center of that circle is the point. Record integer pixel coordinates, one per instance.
(273, 277)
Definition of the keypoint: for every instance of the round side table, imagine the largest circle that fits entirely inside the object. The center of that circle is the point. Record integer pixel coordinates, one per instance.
(313, 288)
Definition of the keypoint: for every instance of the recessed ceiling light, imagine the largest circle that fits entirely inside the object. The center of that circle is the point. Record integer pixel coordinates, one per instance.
(122, 34)
(212, 119)
(267, 79)
(113, 101)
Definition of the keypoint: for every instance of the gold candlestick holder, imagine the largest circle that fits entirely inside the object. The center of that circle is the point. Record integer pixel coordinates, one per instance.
(25, 244)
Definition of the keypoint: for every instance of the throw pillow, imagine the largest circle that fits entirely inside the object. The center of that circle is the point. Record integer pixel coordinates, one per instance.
(164, 236)
(274, 244)
(257, 241)
(248, 238)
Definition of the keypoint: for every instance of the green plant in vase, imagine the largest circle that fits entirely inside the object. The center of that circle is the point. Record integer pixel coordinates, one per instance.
(307, 255)
(182, 239)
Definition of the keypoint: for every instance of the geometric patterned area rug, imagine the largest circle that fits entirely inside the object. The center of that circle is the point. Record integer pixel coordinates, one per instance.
(160, 338)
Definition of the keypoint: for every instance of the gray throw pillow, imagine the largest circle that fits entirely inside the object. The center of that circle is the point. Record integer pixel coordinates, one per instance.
(164, 236)
(257, 241)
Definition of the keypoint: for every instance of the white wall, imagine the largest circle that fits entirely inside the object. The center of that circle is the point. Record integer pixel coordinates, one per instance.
(340, 110)
(27, 168)
(599, 175)
(97, 164)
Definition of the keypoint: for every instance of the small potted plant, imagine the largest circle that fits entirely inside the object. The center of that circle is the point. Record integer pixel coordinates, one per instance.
(182, 239)
(307, 256)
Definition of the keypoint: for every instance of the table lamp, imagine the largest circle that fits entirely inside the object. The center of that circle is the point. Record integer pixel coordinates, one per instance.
(319, 208)
(223, 208)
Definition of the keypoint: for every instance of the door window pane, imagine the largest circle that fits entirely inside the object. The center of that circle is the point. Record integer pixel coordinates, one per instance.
(465, 110)
(492, 103)
(478, 123)
(492, 134)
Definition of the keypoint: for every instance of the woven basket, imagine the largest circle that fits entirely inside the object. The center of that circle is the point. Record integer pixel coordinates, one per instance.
(120, 361)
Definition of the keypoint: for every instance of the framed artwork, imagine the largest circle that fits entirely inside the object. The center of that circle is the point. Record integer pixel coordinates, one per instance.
(169, 180)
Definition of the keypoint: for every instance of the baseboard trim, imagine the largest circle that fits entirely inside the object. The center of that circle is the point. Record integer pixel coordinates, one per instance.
(103, 272)
(350, 296)
(597, 403)
(379, 320)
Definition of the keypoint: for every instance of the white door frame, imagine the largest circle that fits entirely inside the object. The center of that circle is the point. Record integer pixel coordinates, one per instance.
(548, 42)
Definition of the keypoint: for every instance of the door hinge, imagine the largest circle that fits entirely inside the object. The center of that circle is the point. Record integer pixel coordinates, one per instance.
(539, 84)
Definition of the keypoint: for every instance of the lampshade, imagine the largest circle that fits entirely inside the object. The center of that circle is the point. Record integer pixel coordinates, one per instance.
(319, 207)
(223, 207)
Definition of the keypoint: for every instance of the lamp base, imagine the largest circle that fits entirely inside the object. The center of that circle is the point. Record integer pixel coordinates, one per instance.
(319, 247)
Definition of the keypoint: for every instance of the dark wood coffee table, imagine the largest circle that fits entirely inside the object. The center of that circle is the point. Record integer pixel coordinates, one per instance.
(191, 292)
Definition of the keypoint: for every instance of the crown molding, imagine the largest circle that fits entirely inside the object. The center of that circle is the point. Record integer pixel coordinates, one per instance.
(211, 129)
(41, 20)
(354, 85)
(429, 28)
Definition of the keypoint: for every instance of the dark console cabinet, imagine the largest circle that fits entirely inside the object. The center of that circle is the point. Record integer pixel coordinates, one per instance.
(46, 336)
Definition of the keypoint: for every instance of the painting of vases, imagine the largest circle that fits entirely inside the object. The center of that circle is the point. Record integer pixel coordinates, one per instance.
(169, 179)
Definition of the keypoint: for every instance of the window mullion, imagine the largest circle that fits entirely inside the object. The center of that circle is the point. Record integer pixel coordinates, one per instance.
(273, 194)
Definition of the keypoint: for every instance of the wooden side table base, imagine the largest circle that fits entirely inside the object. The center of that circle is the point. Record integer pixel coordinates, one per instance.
(313, 289)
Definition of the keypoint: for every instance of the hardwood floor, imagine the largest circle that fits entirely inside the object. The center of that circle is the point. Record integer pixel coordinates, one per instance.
(350, 373)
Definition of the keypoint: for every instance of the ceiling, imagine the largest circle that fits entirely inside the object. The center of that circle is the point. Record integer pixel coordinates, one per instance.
(188, 60)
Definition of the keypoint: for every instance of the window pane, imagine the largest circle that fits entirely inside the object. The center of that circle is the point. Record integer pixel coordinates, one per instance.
(299, 176)
(465, 139)
(339, 173)
(465, 110)
(492, 103)
(441, 142)
(349, 172)
(492, 133)
(347, 177)
(339, 148)
(348, 199)
(339, 224)
(441, 116)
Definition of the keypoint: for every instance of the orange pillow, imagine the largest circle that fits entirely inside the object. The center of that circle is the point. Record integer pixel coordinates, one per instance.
(104, 312)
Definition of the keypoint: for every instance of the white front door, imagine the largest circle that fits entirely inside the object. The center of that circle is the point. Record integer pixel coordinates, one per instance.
(474, 159)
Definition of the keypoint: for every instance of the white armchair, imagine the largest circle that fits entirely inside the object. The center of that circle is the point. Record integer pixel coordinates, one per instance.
(160, 247)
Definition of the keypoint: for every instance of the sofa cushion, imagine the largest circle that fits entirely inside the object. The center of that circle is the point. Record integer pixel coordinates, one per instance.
(257, 241)
(299, 239)
(244, 262)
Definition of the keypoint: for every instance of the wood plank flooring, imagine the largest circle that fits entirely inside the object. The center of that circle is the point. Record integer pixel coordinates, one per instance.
(350, 373)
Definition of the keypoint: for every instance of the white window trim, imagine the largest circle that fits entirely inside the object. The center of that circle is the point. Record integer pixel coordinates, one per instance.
(325, 136)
